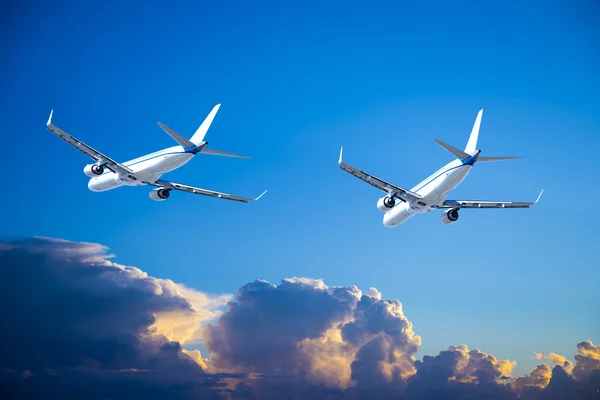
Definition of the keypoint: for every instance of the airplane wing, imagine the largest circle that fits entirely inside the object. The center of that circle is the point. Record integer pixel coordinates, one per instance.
(488, 204)
(204, 192)
(393, 190)
(100, 158)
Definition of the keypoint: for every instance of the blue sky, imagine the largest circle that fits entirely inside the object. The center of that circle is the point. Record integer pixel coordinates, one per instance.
(297, 81)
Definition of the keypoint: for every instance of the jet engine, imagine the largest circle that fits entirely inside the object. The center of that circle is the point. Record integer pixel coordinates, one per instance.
(93, 170)
(450, 216)
(160, 194)
(386, 203)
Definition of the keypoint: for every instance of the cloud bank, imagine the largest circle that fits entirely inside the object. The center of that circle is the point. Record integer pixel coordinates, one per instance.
(81, 326)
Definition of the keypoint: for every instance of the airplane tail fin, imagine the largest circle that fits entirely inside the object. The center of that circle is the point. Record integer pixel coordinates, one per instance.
(198, 138)
(472, 143)
(471, 149)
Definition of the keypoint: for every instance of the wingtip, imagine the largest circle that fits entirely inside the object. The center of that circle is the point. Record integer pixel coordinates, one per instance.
(341, 151)
(539, 196)
(50, 118)
(261, 195)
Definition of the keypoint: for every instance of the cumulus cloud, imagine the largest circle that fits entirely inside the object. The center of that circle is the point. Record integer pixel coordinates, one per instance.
(587, 361)
(261, 330)
(65, 306)
(539, 377)
(81, 326)
(556, 359)
(565, 378)
(334, 336)
(459, 372)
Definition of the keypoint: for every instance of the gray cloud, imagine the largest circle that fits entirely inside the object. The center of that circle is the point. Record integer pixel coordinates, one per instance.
(262, 329)
(459, 373)
(81, 326)
(334, 336)
(71, 312)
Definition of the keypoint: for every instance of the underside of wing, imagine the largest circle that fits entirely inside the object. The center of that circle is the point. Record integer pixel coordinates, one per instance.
(204, 192)
(391, 189)
(488, 204)
(100, 158)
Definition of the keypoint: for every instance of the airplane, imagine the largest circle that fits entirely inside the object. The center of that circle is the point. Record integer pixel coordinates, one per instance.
(107, 174)
(400, 204)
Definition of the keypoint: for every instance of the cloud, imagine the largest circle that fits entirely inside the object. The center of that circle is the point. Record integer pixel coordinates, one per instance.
(90, 384)
(81, 326)
(459, 372)
(556, 359)
(539, 377)
(334, 336)
(587, 361)
(67, 306)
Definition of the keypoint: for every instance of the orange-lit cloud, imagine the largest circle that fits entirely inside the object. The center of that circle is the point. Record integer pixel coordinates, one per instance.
(89, 326)
(587, 361)
(539, 377)
(556, 359)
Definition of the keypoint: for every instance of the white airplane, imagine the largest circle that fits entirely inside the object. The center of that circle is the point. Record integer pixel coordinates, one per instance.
(431, 193)
(108, 174)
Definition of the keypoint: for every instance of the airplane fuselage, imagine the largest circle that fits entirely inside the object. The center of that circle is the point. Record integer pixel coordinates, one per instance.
(399, 204)
(106, 173)
(148, 168)
(434, 190)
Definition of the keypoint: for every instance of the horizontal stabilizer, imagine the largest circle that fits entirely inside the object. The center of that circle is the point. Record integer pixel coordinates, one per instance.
(461, 155)
(221, 153)
(490, 159)
(178, 138)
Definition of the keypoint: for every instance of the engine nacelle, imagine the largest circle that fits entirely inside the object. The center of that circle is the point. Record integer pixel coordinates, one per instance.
(93, 170)
(386, 203)
(159, 194)
(450, 216)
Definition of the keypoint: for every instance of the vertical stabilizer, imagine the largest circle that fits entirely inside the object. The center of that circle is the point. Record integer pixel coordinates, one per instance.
(198, 137)
(472, 143)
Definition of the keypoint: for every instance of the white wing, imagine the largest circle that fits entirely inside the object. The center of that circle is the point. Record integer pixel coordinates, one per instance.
(100, 158)
(391, 189)
(488, 204)
(204, 192)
